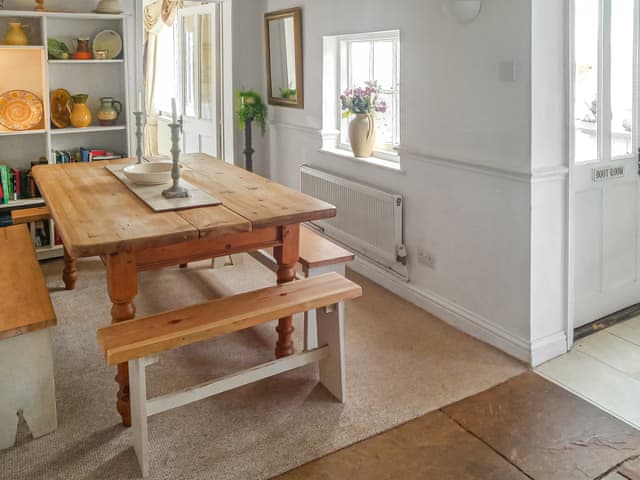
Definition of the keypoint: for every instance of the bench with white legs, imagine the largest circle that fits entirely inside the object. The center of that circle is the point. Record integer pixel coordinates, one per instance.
(317, 255)
(139, 341)
(26, 357)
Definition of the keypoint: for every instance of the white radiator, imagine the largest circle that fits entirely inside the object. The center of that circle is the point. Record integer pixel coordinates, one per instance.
(368, 221)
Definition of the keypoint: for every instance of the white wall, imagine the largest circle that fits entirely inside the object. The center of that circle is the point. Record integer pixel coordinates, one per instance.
(466, 159)
(550, 182)
(248, 70)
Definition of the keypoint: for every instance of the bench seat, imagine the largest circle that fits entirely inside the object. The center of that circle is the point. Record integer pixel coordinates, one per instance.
(28, 215)
(139, 341)
(26, 357)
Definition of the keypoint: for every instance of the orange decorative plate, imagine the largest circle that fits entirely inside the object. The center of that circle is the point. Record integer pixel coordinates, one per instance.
(20, 110)
(60, 108)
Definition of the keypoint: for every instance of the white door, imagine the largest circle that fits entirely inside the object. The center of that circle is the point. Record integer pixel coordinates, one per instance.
(198, 78)
(604, 149)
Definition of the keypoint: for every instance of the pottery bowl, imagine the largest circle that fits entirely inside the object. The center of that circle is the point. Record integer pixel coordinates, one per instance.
(155, 173)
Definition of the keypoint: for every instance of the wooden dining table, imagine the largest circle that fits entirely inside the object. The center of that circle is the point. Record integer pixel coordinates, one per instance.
(96, 215)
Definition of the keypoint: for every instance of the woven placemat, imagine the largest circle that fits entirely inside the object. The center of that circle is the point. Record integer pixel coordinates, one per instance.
(152, 194)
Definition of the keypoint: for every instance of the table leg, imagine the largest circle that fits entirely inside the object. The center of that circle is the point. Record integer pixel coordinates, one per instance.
(122, 278)
(287, 258)
(70, 272)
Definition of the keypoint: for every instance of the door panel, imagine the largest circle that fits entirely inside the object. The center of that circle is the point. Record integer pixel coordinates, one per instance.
(606, 242)
(620, 235)
(200, 95)
(588, 248)
(605, 176)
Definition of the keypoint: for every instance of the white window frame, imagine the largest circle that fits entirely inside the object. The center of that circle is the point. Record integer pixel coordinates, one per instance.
(336, 78)
(603, 122)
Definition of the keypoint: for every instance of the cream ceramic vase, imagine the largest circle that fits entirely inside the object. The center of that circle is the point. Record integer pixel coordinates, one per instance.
(16, 35)
(362, 135)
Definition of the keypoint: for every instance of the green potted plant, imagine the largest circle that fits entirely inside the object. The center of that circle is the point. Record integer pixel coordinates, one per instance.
(250, 108)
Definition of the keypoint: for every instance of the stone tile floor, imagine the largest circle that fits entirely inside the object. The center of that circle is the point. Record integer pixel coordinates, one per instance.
(603, 368)
(525, 428)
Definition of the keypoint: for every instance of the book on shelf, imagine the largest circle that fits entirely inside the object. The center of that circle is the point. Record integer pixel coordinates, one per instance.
(84, 155)
(16, 184)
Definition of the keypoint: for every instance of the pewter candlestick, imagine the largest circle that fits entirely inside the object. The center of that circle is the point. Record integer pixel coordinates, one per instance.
(176, 191)
(139, 134)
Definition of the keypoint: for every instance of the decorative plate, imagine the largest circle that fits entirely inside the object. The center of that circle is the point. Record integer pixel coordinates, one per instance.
(20, 110)
(110, 41)
(60, 108)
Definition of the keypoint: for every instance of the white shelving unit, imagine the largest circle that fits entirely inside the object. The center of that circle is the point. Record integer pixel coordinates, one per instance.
(30, 69)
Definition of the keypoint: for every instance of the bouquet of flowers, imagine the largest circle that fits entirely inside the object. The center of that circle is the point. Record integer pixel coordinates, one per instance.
(364, 100)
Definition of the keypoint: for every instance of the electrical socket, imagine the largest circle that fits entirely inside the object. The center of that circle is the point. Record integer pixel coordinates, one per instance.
(426, 258)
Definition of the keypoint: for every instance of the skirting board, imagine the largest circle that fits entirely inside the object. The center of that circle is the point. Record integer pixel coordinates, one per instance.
(465, 320)
(546, 348)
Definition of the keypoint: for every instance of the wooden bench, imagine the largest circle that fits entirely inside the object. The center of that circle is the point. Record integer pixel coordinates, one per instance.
(317, 255)
(26, 357)
(28, 215)
(138, 341)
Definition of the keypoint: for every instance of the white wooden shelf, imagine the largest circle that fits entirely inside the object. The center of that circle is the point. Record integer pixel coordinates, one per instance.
(41, 75)
(67, 15)
(46, 253)
(21, 47)
(27, 202)
(96, 129)
(80, 62)
(21, 132)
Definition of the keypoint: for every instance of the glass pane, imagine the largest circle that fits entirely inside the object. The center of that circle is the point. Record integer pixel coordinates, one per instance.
(586, 80)
(621, 76)
(207, 68)
(384, 124)
(189, 65)
(383, 67)
(165, 77)
(360, 63)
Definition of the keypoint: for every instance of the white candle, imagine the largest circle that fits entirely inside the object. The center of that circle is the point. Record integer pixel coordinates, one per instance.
(139, 101)
(174, 113)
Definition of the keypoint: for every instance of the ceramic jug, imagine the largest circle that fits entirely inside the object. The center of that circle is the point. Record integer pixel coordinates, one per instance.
(83, 51)
(109, 111)
(80, 113)
(16, 34)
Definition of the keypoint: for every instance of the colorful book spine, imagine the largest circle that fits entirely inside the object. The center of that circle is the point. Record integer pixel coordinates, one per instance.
(4, 178)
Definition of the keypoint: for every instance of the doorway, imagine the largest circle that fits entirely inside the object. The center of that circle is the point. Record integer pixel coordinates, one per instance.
(604, 149)
(187, 66)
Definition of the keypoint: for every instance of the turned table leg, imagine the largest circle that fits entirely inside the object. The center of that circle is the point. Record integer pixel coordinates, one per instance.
(287, 258)
(122, 281)
(70, 272)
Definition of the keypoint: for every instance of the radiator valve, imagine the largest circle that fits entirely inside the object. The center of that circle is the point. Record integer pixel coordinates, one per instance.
(401, 254)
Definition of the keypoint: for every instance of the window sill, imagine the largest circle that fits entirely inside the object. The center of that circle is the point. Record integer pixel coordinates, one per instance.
(376, 161)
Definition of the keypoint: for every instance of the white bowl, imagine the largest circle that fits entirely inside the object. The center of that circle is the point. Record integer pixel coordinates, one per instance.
(155, 173)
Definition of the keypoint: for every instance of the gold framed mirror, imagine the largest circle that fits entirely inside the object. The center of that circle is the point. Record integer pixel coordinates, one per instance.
(283, 41)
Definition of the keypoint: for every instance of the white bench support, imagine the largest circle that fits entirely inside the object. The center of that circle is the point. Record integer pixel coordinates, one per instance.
(26, 381)
(310, 323)
(331, 362)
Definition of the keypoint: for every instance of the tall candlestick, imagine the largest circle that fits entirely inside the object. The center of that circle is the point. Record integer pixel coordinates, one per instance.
(174, 113)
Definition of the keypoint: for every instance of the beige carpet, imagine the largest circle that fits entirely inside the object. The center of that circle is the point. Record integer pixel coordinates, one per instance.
(401, 363)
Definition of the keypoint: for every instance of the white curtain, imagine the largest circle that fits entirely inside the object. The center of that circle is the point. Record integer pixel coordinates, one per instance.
(156, 15)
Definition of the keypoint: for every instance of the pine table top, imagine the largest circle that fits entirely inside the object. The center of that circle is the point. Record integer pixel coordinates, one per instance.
(97, 215)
